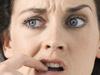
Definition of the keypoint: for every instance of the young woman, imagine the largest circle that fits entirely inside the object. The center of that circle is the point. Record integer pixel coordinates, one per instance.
(49, 37)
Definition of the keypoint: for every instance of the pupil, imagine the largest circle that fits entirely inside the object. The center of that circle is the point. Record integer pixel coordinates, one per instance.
(32, 23)
(73, 22)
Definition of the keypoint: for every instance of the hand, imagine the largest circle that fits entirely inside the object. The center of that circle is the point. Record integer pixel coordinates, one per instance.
(10, 66)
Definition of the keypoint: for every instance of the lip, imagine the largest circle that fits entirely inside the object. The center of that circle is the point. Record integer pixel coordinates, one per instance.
(59, 61)
(49, 73)
(53, 61)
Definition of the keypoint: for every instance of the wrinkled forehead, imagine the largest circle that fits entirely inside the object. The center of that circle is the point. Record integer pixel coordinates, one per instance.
(51, 4)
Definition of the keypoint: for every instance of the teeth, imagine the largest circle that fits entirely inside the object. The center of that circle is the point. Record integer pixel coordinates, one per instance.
(53, 65)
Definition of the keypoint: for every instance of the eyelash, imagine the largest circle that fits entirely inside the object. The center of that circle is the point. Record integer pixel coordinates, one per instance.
(75, 18)
(41, 22)
(35, 19)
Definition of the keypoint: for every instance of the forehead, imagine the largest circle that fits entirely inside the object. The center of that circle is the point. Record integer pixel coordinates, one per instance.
(20, 5)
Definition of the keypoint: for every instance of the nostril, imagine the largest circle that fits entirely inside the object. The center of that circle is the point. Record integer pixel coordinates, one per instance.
(53, 47)
(47, 46)
(60, 47)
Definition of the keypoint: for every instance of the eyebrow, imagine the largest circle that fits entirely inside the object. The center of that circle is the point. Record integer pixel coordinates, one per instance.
(42, 11)
(78, 8)
(35, 10)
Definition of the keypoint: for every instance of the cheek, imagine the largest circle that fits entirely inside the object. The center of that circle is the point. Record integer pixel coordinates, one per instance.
(84, 47)
(82, 52)
(23, 40)
(85, 43)
(28, 46)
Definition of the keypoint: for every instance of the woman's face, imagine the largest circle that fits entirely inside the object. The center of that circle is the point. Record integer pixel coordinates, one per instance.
(64, 31)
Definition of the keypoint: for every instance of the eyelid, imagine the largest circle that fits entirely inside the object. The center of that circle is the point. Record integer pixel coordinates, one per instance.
(78, 16)
(34, 17)
(82, 17)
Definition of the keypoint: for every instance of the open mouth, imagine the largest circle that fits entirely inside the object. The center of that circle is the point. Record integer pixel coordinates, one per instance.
(54, 66)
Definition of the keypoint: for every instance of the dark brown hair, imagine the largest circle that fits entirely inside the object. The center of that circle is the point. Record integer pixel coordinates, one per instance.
(5, 17)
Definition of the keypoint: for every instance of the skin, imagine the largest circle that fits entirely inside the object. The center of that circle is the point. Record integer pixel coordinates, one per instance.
(80, 45)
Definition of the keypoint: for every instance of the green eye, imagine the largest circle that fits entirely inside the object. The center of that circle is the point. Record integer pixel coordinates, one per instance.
(75, 21)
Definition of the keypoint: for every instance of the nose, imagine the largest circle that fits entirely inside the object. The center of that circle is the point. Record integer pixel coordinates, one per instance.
(55, 39)
(53, 45)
